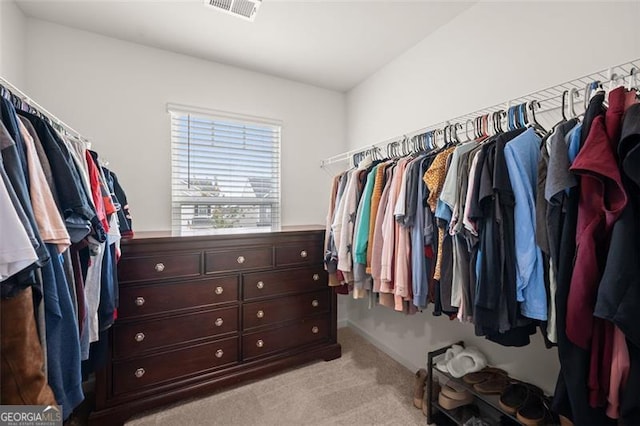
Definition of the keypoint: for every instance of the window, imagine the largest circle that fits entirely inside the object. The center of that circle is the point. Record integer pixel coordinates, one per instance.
(225, 172)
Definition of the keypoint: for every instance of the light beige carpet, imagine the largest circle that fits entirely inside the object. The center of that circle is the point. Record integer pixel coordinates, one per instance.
(363, 387)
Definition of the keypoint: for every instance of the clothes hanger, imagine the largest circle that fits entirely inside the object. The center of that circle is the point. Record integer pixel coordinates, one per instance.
(632, 79)
(523, 114)
(534, 121)
(497, 125)
(564, 104)
(445, 135)
(517, 120)
(432, 140)
(573, 94)
(466, 128)
(590, 90)
(513, 122)
(437, 132)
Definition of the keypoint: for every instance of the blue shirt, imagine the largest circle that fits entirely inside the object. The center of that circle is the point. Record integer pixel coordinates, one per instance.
(522, 155)
(573, 140)
(419, 264)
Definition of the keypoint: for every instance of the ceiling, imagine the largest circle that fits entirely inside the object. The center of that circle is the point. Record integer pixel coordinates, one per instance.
(331, 44)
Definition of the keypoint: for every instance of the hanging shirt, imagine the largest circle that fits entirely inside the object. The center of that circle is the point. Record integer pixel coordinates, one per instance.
(402, 260)
(378, 187)
(389, 246)
(50, 223)
(361, 238)
(378, 239)
(522, 156)
(361, 233)
(419, 262)
(16, 250)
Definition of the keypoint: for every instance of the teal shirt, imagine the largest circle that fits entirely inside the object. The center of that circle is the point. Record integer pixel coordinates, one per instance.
(361, 233)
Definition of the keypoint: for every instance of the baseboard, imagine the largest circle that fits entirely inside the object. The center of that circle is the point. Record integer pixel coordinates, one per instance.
(384, 347)
(343, 323)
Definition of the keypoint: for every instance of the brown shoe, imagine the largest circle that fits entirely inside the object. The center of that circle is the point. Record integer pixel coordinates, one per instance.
(450, 403)
(494, 386)
(434, 395)
(457, 394)
(418, 387)
(483, 375)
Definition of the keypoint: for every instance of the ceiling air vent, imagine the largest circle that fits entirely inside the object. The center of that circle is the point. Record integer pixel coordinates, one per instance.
(245, 9)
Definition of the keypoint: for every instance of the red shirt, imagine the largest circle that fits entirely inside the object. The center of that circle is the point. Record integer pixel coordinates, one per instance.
(602, 199)
(96, 191)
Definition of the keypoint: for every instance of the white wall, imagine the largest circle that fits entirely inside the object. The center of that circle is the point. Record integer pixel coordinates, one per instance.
(12, 43)
(489, 54)
(116, 93)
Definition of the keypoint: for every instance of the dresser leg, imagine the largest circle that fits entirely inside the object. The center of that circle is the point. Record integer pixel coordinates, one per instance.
(333, 352)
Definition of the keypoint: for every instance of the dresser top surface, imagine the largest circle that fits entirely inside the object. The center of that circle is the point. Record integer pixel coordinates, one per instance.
(226, 233)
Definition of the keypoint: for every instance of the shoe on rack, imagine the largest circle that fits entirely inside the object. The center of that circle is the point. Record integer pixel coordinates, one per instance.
(448, 356)
(534, 410)
(434, 395)
(467, 361)
(515, 395)
(483, 375)
(418, 387)
(453, 393)
(450, 404)
(493, 386)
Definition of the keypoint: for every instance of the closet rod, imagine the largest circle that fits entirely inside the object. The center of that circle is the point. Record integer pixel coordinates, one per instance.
(20, 94)
(550, 97)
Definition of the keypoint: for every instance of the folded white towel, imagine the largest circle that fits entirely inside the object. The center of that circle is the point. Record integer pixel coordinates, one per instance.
(448, 356)
(466, 361)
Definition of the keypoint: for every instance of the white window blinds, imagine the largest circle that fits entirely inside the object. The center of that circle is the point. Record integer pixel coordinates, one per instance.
(225, 172)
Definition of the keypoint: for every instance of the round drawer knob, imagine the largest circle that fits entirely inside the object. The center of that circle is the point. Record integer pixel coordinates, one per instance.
(259, 343)
(139, 372)
(139, 337)
(260, 314)
(219, 322)
(316, 277)
(140, 301)
(240, 259)
(219, 353)
(159, 267)
(304, 254)
(314, 330)
(219, 290)
(314, 303)
(260, 285)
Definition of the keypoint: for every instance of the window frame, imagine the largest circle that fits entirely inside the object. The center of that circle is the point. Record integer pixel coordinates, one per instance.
(228, 118)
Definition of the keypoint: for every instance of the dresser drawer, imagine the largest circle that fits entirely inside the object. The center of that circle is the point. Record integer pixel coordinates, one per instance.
(169, 366)
(135, 338)
(302, 253)
(256, 314)
(270, 341)
(158, 298)
(159, 266)
(265, 284)
(238, 259)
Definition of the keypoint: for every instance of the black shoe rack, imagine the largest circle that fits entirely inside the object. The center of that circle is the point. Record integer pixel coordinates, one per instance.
(489, 404)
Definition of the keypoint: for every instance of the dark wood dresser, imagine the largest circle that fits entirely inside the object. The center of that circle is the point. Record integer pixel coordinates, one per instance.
(199, 313)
